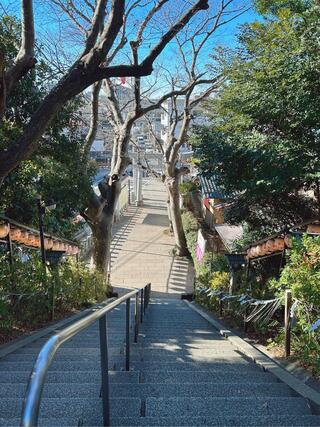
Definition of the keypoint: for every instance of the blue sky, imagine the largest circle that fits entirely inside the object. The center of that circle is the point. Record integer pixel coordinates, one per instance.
(50, 26)
(45, 19)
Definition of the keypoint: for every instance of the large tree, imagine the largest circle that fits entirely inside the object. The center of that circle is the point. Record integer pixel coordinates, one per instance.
(100, 205)
(263, 144)
(103, 23)
(100, 209)
(53, 171)
(201, 80)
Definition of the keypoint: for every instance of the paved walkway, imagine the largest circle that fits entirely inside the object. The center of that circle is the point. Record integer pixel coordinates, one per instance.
(182, 371)
(142, 249)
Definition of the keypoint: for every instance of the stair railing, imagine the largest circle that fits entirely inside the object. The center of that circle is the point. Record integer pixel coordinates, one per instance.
(32, 400)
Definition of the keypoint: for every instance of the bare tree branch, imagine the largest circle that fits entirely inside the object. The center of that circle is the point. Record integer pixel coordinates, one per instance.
(87, 70)
(68, 12)
(110, 32)
(147, 19)
(155, 136)
(78, 12)
(25, 58)
(94, 118)
(90, 5)
(113, 103)
(96, 26)
(166, 38)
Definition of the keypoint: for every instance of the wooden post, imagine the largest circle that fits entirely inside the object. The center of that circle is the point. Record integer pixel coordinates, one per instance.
(14, 298)
(282, 260)
(287, 323)
(54, 285)
(9, 250)
(232, 281)
(245, 323)
(220, 307)
(247, 274)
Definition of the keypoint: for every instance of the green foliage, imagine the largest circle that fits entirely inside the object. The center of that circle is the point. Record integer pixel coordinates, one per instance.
(211, 263)
(190, 222)
(187, 187)
(220, 280)
(263, 144)
(27, 290)
(302, 274)
(57, 170)
(275, 7)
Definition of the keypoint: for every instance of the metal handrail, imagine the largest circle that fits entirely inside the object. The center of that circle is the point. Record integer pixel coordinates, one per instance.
(31, 404)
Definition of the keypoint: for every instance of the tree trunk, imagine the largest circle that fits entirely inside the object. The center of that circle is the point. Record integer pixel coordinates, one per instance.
(101, 226)
(169, 212)
(172, 185)
(102, 236)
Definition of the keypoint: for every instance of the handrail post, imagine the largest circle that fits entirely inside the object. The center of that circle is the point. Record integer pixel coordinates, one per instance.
(141, 306)
(136, 318)
(32, 400)
(146, 297)
(128, 302)
(104, 370)
(149, 293)
(145, 292)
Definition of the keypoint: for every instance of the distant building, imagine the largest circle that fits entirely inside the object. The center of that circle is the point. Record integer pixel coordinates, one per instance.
(214, 204)
(198, 118)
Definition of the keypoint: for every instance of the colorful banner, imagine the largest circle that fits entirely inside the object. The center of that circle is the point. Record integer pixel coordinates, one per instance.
(200, 246)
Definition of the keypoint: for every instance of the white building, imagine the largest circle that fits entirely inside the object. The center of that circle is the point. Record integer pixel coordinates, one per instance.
(168, 113)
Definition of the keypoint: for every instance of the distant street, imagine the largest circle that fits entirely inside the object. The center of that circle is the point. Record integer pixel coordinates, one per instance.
(142, 248)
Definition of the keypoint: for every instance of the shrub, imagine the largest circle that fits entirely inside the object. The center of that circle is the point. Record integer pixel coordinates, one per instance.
(187, 187)
(26, 290)
(220, 280)
(210, 263)
(189, 222)
(302, 275)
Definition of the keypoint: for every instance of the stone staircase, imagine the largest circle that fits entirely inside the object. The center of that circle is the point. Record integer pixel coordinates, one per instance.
(183, 373)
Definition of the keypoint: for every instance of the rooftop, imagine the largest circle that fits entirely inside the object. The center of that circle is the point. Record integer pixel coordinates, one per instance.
(209, 189)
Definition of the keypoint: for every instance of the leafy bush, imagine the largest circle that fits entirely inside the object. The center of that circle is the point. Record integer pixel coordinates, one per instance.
(27, 291)
(189, 222)
(220, 280)
(302, 275)
(211, 263)
(187, 187)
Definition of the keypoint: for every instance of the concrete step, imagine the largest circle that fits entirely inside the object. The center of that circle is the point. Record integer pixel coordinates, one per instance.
(226, 406)
(186, 333)
(78, 377)
(174, 336)
(64, 365)
(73, 354)
(73, 407)
(182, 377)
(80, 343)
(136, 354)
(199, 356)
(227, 421)
(191, 390)
(161, 353)
(175, 324)
(180, 344)
(46, 422)
(182, 365)
(62, 351)
(187, 345)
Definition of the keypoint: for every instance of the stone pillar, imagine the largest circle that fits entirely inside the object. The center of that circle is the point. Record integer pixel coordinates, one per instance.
(232, 282)
(139, 186)
(135, 179)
